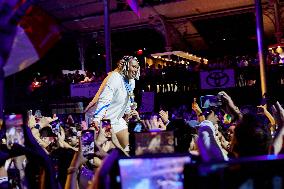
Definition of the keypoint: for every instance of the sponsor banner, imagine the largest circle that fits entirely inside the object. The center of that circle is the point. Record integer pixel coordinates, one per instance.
(216, 79)
(87, 90)
(147, 103)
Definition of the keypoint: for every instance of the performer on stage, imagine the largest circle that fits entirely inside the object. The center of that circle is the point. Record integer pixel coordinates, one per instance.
(114, 98)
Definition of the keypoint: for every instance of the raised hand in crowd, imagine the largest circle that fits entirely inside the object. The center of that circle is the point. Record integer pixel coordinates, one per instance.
(36, 154)
(73, 170)
(36, 157)
(99, 152)
(146, 124)
(134, 114)
(61, 141)
(278, 113)
(267, 114)
(103, 144)
(154, 123)
(230, 107)
(36, 125)
(164, 115)
(195, 107)
(101, 137)
(161, 124)
(95, 125)
(264, 107)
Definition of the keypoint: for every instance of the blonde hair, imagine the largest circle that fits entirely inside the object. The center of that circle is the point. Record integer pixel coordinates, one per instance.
(123, 66)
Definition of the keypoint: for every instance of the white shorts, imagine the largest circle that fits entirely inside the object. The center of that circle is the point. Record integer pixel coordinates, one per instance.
(119, 125)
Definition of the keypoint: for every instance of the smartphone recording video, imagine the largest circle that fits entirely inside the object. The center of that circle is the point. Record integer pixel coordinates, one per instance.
(55, 125)
(88, 142)
(106, 125)
(153, 172)
(136, 127)
(14, 130)
(153, 142)
(210, 101)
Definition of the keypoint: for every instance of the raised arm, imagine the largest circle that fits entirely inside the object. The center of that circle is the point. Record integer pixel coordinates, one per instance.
(278, 113)
(230, 106)
(95, 99)
(267, 114)
(72, 172)
(103, 99)
(197, 110)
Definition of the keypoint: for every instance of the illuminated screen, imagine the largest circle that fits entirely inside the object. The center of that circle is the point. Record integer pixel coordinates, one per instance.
(152, 173)
(154, 142)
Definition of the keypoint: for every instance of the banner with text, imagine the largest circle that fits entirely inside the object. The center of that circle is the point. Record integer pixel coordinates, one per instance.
(216, 79)
(87, 90)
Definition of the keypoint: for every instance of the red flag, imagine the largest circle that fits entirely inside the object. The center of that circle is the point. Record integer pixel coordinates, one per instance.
(37, 33)
(42, 29)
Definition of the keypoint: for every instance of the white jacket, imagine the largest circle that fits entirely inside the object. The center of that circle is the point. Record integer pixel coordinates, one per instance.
(112, 101)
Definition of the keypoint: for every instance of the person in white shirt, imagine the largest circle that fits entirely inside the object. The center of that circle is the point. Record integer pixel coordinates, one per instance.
(114, 98)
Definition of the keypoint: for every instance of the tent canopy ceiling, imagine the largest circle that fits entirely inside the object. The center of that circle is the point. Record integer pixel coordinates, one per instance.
(198, 23)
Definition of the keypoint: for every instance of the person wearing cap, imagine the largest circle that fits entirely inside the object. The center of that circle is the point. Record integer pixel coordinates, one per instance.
(208, 146)
(115, 97)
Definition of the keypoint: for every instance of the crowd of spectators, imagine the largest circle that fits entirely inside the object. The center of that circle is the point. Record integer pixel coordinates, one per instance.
(47, 152)
(212, 133)
(175, 77)
(86, 77)
(229, 61)
(65, 77)
(183, 77)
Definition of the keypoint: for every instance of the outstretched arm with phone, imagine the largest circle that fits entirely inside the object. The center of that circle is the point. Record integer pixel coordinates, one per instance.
(197, 110)
(72, 172)
(36, 156)
(230, 107)
(278, 113)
